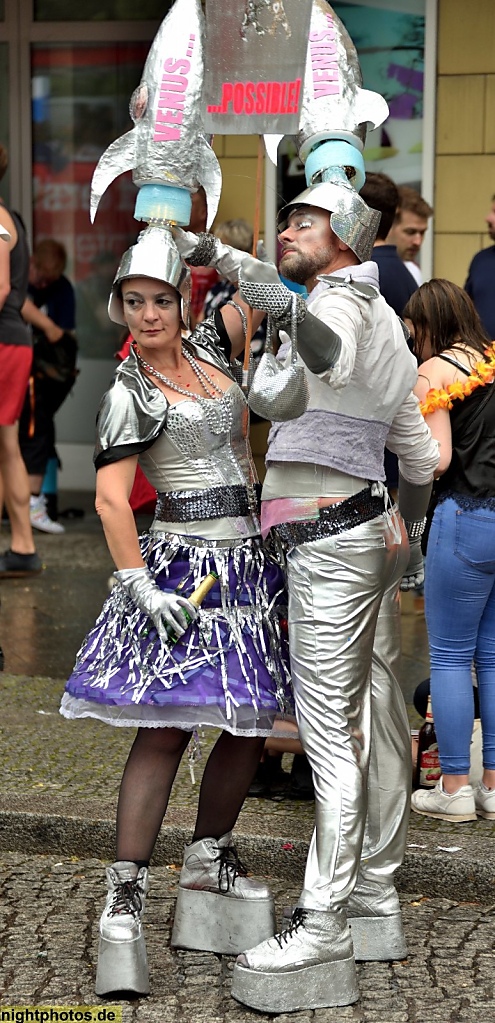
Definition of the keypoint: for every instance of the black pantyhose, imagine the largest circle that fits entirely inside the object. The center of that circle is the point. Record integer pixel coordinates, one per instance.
(145, 789)
(227, 776)
(148, 777)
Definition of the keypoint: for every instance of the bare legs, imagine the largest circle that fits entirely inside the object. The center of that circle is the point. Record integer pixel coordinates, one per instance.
(15, 490)
(148, 777)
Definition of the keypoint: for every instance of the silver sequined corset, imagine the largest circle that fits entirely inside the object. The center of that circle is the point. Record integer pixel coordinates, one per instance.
(204, 446)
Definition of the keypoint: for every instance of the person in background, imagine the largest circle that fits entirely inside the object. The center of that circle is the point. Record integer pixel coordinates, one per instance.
(451, 343)
(396, 282)
(51, 310)
(270, 780)
(15, 366)
(409, 228)
(420, 701)
(481, 275)
(231, 232)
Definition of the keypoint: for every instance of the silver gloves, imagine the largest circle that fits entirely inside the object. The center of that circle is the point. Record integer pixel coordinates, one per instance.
(414, 575)
(260, 286)
(170, 613)
(206, 250)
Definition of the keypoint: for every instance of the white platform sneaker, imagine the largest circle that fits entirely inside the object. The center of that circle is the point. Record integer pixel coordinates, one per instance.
(122, 960)
(310, 965)
(219, 909)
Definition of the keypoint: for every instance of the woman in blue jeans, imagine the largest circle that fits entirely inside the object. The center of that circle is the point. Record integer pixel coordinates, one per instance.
(457, 370)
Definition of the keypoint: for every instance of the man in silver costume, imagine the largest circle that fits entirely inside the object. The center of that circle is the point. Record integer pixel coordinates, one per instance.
(346, 553)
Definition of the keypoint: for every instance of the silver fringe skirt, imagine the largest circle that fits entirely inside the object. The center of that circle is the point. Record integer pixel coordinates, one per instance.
(231, 668)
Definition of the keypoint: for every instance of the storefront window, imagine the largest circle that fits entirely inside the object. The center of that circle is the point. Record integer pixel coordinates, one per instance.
(80, 105)
(99, 10)
(391, 44)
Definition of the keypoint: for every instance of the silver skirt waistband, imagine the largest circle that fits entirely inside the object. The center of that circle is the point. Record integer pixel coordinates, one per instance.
(213, 503)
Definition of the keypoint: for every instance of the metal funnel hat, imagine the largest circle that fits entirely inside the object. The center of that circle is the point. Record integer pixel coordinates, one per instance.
(352, 220)
(154, 255)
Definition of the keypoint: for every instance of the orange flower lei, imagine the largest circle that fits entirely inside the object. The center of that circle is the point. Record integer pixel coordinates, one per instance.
(482, 374)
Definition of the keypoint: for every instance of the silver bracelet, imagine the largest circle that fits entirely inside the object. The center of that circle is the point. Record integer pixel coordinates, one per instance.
(242, 314)
(205, 250)
(416, 529)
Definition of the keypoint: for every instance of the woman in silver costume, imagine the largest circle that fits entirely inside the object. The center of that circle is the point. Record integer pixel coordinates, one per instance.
(153, 660)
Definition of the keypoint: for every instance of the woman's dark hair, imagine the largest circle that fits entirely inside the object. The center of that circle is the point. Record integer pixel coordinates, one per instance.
(447, 313)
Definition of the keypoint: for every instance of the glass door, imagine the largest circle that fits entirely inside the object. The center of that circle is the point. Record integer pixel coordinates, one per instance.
(70, 71)
(80, 105)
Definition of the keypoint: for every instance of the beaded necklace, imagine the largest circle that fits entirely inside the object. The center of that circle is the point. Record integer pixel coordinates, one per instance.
(209, 386)
(218, 413)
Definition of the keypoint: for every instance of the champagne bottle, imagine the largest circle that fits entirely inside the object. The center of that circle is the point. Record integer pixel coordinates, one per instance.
(196, 597)
(428, 764)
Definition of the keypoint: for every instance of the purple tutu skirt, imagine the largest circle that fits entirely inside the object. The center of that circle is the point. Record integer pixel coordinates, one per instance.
(230, 669)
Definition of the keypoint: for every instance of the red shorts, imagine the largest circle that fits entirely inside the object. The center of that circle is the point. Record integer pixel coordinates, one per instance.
(15, 368)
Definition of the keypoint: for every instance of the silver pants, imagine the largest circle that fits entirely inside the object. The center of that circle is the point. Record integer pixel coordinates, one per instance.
(344, 633)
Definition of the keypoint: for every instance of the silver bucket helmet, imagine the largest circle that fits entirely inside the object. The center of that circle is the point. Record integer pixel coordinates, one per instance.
(351, 219)
(154, 255)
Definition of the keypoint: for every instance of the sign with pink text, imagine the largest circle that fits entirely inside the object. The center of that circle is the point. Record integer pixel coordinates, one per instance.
(254, 67)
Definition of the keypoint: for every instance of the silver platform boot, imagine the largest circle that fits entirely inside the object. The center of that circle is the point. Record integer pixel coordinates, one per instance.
(122, 961)
(310, 965)
(373, 912)
(219, 909)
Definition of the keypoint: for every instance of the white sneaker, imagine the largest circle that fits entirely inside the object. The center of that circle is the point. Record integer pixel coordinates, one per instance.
(40, 518)
(485, 802)
(437, 803)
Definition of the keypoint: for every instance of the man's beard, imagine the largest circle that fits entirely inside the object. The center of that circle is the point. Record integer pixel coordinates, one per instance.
(303, 266)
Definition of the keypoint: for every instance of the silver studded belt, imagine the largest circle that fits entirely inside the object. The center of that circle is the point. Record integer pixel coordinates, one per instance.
(213, 503)
(333, 519)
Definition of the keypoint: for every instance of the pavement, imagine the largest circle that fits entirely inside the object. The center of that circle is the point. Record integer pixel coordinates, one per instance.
(57, 807)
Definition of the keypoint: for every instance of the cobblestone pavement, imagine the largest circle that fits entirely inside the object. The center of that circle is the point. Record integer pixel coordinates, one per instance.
(48, 922)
